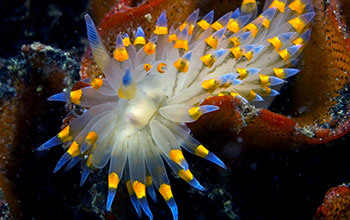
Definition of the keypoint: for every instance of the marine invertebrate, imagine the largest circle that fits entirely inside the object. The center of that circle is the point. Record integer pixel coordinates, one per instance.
(322, 115)
(135, 118)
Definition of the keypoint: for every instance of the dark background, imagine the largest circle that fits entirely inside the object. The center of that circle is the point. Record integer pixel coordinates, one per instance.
(58, 23)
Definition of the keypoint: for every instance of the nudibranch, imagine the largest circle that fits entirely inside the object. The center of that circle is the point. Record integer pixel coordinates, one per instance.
(135, 117)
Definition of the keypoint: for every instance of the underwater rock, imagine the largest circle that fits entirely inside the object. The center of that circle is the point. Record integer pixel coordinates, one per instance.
(4, 207)
(336, 204)
(25, 82)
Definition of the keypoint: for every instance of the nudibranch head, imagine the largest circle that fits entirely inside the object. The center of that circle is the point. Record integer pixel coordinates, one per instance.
(135, 118)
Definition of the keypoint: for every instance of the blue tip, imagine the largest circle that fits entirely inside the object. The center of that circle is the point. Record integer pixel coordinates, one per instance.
(258, 98)
(219, 34)
(208, 108)
(83, 148)
(50, 143)
(127, 78)
(243, 20)
(209, 17)
(253, 71)
(244, 36)
(243, 100)
(224, 19)
(72, 163)
(286, 36)
(139, 32)
(269, 13)
(110, 198)
(192, 18)
(275, 81)
(236, 82)
(151, 191)
(307, 17)
(295, 61)
(145, 207)
(119, 41)
(91, 31)
(188, 56)
(220, 53)
(136, 204)
(194, 182)
(226, 77)
(274, 92)
(184, 165)
(247, 47)
(162, 22)
(306, 35)
(293, 49)
(60, 97)
(88, 19)
(236, 14)
(173, 207)
(288, 72)
(84, 175)
(183, 34)
(214, 159)
(257, 49)
(64, 159)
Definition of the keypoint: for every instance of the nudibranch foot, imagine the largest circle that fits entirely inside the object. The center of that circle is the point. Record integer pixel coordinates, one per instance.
(135, 118)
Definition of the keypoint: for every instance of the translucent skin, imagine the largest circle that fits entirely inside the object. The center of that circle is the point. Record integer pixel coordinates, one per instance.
(136, 115)
(144, 106)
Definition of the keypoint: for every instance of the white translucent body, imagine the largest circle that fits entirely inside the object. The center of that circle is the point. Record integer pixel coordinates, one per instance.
(138, 131)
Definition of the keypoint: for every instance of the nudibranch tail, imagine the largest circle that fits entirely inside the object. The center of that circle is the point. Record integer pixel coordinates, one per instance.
(135, 117)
